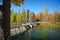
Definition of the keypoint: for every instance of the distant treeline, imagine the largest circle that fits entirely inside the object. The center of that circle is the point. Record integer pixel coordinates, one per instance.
(21, 17)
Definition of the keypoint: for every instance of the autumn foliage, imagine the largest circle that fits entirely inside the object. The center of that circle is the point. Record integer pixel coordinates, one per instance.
(44, 19)
(53, 18)
(17, 2)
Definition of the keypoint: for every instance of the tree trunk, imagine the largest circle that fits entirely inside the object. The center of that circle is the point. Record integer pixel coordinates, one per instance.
(6, 19)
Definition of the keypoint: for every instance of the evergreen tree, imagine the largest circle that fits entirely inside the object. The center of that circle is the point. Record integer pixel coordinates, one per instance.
(12, 17)
(18, 18)
(23, 16)
(32, 17)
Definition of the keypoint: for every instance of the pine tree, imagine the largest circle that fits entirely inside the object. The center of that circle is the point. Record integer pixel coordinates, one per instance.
(32, 16)
(23, 16)
(18, 18)
(11, 17)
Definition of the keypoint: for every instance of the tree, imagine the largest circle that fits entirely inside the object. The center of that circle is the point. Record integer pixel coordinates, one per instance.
(56, 16)
(41, 16)
(6, 17)
(17, 2)
(23, 16)
(18, 18)
(32, 16)
(45, 11)
(12, 17)
(37, 17)
(59, 18)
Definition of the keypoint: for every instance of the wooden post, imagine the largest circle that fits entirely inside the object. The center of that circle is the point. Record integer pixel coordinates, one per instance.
(6, 19)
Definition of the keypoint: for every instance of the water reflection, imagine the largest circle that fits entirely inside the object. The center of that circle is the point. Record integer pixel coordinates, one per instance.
(40, 33)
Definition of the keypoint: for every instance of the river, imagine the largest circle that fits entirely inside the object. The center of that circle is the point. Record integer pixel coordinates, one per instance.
(38, 33)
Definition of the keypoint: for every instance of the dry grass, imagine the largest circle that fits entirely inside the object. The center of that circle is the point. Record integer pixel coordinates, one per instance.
(42, 23)
(57, 23)
(46, 23)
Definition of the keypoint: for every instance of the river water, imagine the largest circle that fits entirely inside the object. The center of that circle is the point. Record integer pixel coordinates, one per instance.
(37, 33)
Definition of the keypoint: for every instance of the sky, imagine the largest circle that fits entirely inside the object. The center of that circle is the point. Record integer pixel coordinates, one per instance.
(37, 6)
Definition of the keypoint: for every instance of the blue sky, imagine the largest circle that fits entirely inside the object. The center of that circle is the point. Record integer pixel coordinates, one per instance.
(37, 6)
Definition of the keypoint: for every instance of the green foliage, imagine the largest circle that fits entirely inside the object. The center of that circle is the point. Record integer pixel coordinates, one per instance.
(45, 10)
(11, 17)
(32, 16)
(23, 16)
(59, 18)
(14, 18)
(18, 18)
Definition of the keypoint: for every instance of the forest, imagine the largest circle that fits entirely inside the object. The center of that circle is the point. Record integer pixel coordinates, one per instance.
(19, 18)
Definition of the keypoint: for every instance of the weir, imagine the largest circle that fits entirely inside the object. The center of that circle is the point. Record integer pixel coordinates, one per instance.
(23, 32)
